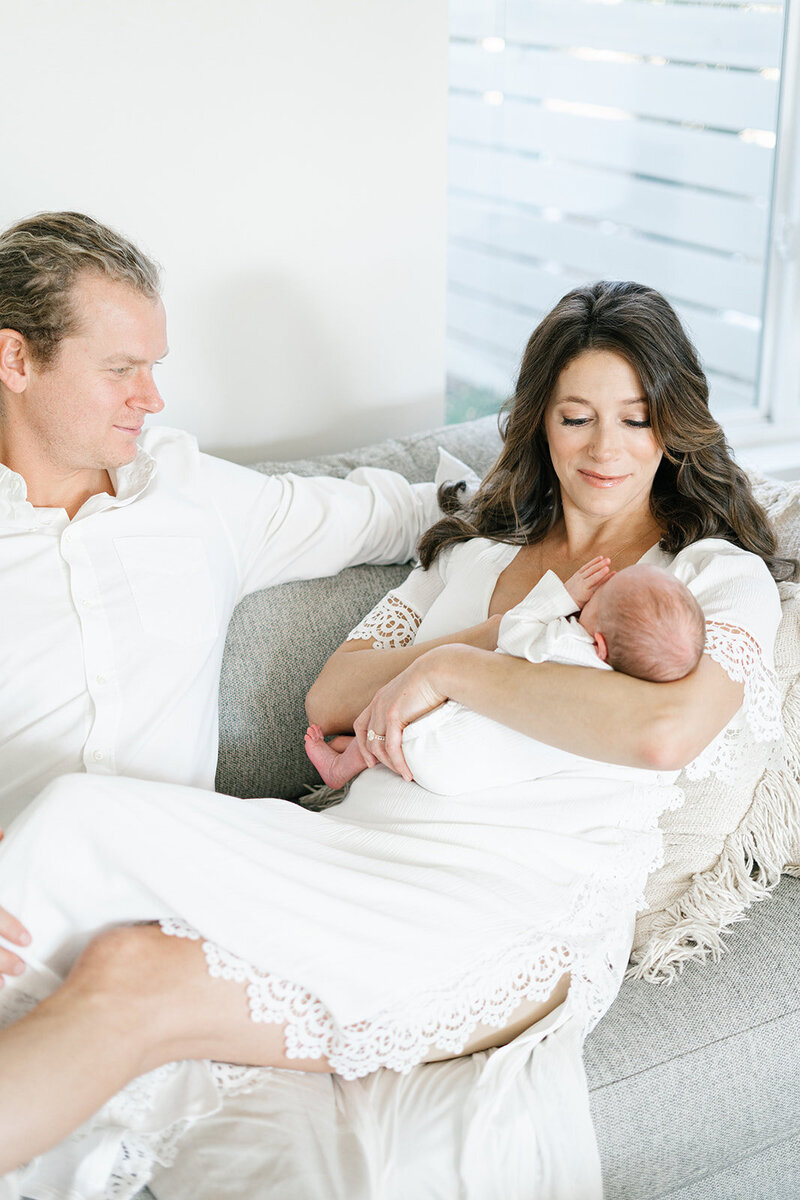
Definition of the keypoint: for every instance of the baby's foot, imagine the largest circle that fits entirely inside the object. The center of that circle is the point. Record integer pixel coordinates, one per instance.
(336, 767)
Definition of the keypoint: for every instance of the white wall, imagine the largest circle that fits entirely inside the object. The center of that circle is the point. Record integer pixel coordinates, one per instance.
(285, 162)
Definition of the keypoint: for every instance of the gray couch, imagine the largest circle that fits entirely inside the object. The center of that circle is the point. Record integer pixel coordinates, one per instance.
(694, 1086)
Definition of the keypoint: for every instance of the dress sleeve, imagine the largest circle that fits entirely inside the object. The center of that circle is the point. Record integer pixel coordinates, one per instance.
(395, 619)
(742, 609)
(289, 527)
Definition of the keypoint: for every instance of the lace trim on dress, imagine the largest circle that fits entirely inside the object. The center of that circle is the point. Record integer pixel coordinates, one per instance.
(730, 754)
(391, 624)
(443, 1018)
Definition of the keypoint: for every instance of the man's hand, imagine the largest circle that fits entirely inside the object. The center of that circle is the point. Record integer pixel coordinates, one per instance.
(587, 579)
(12, 931)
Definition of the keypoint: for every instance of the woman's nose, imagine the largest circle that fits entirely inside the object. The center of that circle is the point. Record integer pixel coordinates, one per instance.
(605, 444)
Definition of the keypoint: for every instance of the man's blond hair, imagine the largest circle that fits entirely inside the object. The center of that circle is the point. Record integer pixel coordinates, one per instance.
(41, 259)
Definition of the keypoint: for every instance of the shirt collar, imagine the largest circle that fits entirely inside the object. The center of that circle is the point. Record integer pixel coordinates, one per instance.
(129, 483)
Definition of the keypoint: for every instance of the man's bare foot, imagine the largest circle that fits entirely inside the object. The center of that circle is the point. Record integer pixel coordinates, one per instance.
(336, 766)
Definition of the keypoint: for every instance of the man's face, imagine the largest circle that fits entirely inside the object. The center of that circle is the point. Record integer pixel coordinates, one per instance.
(86, 410)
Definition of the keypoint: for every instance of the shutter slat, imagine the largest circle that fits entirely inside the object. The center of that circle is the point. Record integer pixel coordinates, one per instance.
(684, 273)
(704, 158)
(722, 222)
(706, 96)
(686, 33)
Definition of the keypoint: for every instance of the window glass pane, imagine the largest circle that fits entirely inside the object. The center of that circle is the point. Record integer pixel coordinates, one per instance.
(609, 139)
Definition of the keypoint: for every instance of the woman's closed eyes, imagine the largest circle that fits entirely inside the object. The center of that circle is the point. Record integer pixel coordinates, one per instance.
(585, 420)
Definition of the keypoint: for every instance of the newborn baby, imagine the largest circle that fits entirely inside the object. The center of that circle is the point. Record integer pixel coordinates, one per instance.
(641, 621)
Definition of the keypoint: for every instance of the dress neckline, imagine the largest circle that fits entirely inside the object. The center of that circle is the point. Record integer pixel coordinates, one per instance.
(503, 554)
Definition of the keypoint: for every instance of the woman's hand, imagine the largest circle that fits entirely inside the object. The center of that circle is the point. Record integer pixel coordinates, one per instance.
(409, 695)
(13, 931)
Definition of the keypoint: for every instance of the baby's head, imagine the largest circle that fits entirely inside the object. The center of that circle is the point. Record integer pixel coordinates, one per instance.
(646, 623)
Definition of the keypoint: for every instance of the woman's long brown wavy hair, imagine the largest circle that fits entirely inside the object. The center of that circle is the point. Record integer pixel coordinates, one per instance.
(698, 490)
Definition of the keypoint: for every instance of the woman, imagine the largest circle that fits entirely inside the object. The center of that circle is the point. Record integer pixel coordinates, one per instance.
(402, 927)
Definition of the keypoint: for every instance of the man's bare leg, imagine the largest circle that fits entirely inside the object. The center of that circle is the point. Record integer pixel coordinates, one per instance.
(137, 999)
(338, 761)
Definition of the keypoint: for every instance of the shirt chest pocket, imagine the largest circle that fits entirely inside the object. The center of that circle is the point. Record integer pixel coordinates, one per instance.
(171, 585)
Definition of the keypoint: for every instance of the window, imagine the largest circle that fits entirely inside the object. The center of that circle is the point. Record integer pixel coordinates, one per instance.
(643, 139)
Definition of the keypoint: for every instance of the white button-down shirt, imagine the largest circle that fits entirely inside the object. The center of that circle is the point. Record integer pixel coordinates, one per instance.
(112, 625)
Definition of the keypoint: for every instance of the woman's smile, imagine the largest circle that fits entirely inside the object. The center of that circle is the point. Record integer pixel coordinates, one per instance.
(595, 479)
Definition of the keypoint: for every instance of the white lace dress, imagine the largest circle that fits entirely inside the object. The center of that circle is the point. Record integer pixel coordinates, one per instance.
(388, 928)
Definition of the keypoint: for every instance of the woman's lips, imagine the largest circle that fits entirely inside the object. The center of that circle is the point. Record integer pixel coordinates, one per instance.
(595, 479)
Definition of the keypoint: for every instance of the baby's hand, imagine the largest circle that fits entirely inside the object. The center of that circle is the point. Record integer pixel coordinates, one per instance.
(587, 579)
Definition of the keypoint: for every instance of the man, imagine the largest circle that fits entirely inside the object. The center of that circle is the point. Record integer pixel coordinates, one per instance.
(123, 553)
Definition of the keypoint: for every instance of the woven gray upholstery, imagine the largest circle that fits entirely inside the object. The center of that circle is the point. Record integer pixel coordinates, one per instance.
(690, 1078)
(278, 641)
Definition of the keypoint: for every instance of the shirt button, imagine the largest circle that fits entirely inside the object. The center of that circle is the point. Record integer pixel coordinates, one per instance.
(101, 679)
(88, 602)
(98, 756)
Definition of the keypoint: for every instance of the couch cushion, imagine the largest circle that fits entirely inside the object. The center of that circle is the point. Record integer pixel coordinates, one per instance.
(686, 1044)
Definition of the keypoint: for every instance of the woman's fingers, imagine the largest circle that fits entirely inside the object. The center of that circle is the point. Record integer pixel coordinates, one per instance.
(376, 722)
(361, 728)
(408, 696)
(394, 750)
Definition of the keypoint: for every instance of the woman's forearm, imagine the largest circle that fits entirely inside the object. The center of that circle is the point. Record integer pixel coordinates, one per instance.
(352, 676)
(604, 715)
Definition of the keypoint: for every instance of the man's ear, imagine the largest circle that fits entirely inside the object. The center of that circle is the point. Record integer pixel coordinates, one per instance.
(601, 647)
(14, 360)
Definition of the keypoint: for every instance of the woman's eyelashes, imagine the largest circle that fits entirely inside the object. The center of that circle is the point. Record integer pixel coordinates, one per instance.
(629, 421)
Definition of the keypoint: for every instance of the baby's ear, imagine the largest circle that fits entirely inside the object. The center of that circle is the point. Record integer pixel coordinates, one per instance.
(601, 647)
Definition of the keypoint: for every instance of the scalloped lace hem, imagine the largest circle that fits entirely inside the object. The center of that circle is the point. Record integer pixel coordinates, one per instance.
(730, 755)
(391, 624)
(443, 1018)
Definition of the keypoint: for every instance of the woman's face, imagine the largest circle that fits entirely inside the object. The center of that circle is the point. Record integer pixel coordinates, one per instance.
(598, 430)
